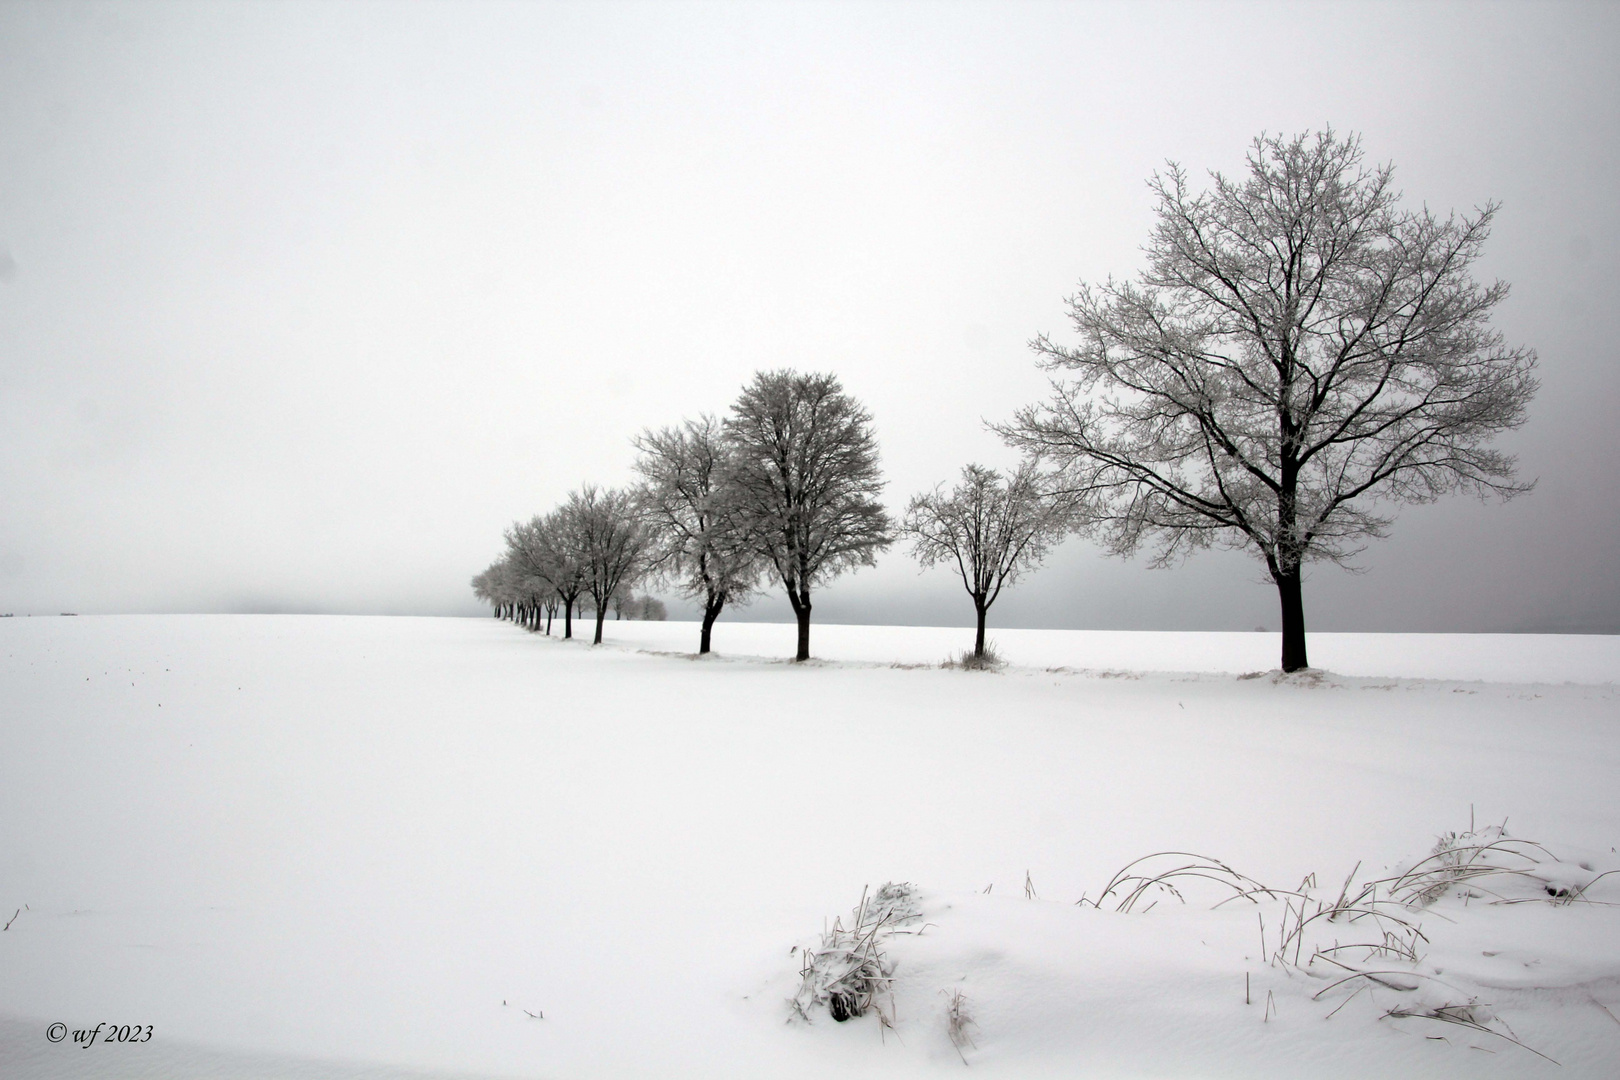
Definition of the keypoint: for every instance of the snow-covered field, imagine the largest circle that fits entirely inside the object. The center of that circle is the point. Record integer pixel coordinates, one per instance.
(368, 847)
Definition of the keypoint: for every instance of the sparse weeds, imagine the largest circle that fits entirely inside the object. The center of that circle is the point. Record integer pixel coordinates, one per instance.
(1464, 859)
(1363, 940)
(957, 1022)
(966, 660)
(1166, 872)
(1385, 951)
(849, 973)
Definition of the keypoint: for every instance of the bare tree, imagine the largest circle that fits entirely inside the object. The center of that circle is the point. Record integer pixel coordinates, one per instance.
(991, 529)
(803, 463)
(547, 550)
(702, 544)
(1298, 352)
(610, 542)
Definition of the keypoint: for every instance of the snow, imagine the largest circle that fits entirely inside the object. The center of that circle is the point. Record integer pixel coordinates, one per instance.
(369, 847)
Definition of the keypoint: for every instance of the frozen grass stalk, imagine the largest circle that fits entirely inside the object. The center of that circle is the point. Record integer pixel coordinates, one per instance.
(957, 1022)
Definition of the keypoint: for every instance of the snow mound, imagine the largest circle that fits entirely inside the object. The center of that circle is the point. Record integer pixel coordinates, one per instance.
(1483, 943)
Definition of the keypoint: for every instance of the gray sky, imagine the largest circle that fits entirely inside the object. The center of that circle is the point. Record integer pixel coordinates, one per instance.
(302, 304)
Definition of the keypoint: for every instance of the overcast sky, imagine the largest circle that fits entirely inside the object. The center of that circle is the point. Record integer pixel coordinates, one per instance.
(302, 304)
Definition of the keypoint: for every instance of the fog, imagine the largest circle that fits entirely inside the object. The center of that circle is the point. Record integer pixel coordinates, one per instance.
(302, 304)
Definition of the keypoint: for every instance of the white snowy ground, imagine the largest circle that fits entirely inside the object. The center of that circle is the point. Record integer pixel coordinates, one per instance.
(370, 847)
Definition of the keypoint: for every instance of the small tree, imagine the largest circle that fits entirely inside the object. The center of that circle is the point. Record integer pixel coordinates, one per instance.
(990, 529)
(611, 543)
(701, 542)
(803, 464)
(1298, 351)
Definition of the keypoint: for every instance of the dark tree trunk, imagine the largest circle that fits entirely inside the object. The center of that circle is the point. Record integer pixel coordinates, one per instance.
(711, 612)
(568, 620)
(1293, 619)
(978, 641)
(801, 608)
(601, 613)
(1289, 555)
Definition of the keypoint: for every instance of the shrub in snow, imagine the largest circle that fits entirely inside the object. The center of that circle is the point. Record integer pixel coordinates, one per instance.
(849, 973)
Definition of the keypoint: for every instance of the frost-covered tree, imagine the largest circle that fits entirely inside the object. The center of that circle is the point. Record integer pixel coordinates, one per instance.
(702, 544)
(990, 528)
(1299, 354)
(610, 542)
(513, 594)
(546, 550)
(802, 460)
(486, 586)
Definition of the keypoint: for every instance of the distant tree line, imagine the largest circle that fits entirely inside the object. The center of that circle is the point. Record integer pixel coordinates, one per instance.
(1299, 355)
(784, 489)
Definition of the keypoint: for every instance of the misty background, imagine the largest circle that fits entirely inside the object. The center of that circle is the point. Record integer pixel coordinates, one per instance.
(302, 304)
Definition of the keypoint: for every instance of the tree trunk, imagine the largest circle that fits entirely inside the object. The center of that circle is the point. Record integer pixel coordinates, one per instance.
(601, 613)
(978, 642)
(568, 620)
(1293, 619)
(711, 612)
(802, 610)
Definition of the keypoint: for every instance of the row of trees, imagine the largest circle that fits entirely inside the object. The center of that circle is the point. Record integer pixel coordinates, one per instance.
(785, 488)
(1299, 355)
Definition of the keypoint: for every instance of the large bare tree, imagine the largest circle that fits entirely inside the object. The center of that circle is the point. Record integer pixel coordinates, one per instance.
(695, 521)
(1299, 354)
(991, 528)
(803, 462)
